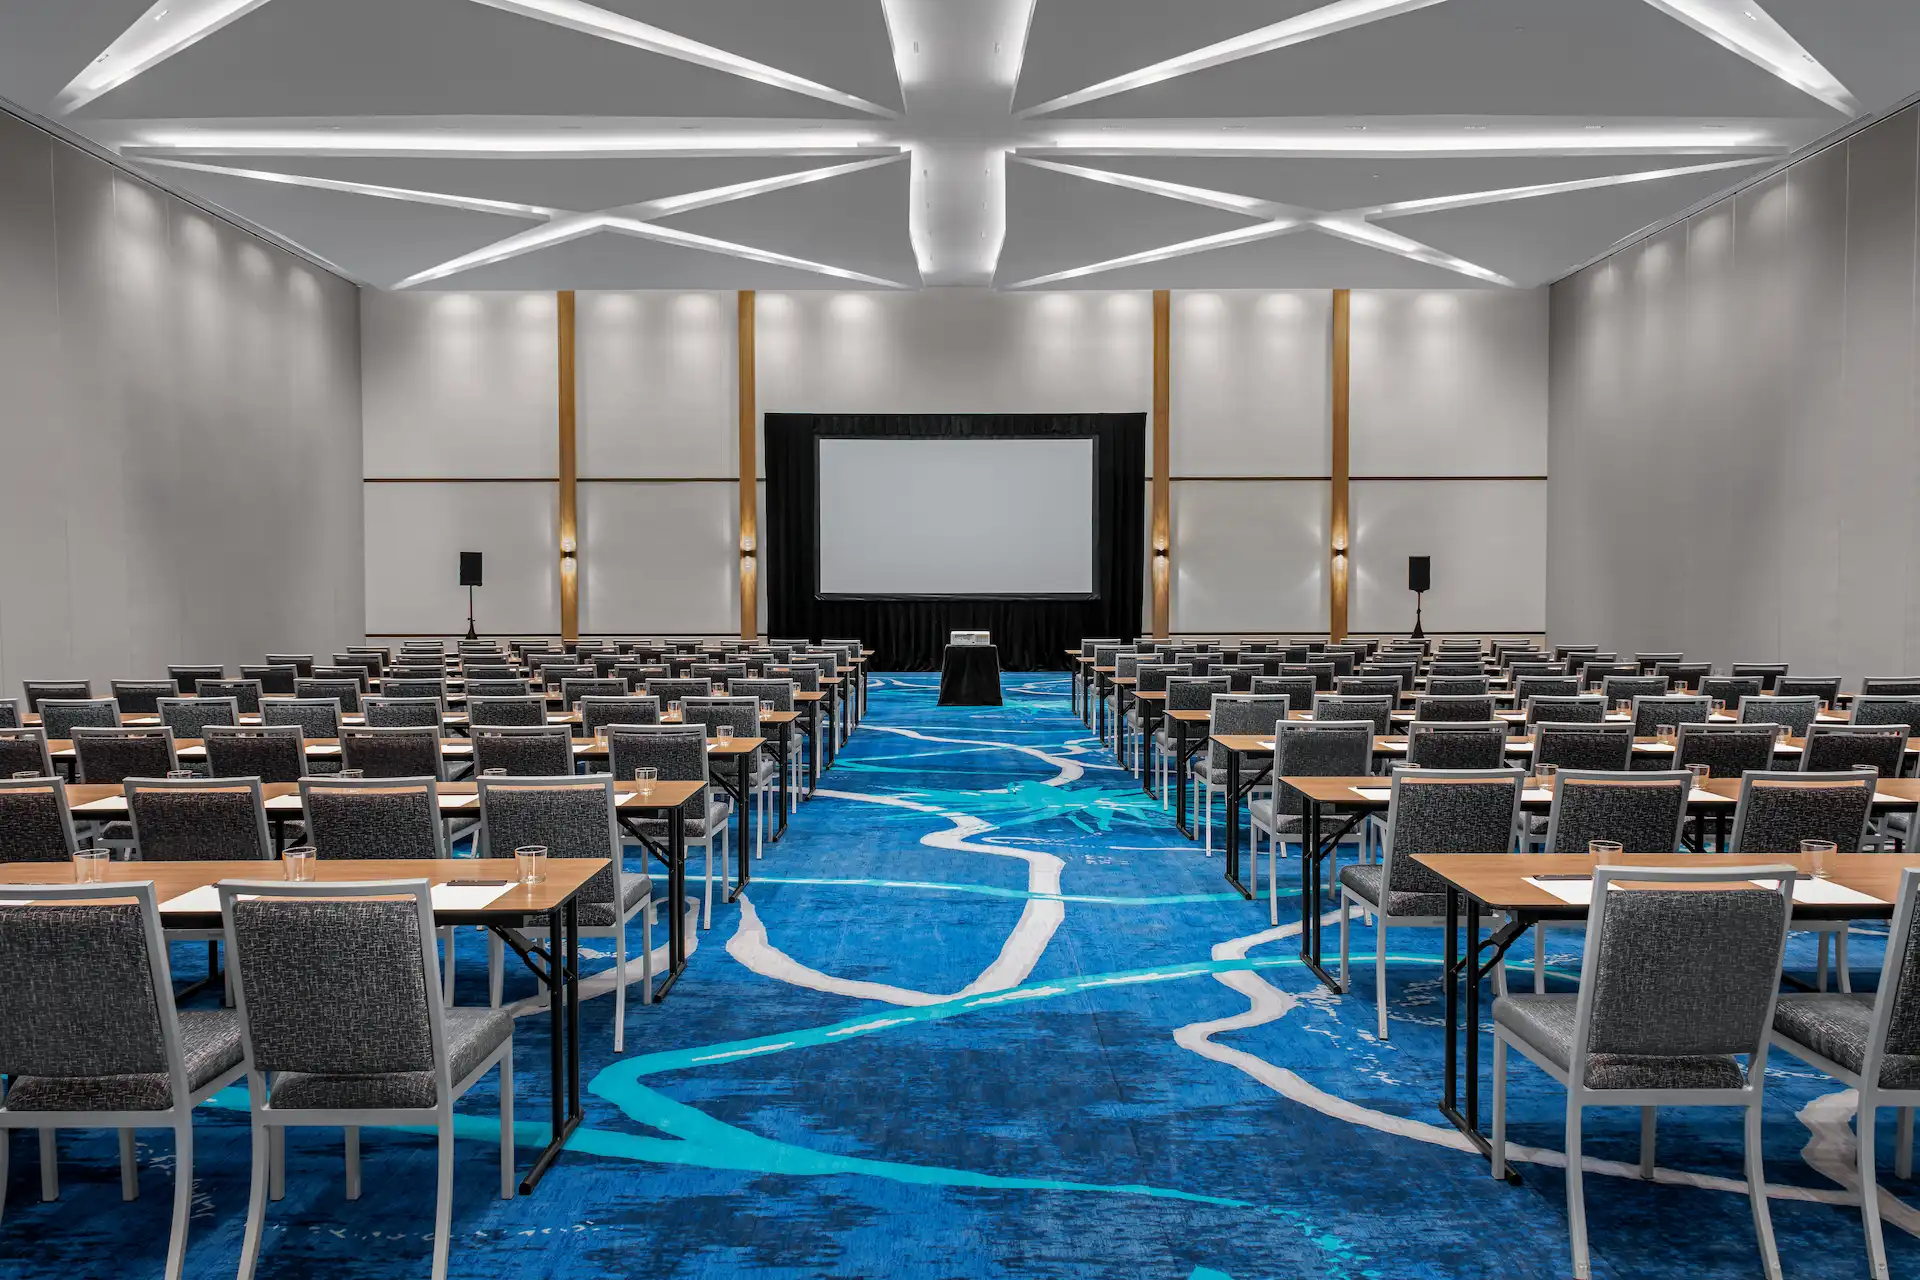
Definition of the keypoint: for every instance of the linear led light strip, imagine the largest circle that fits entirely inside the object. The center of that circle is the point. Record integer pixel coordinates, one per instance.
(1393, 242)
(1404, 140)
(585, 143)
(156, 35)
(407, 194)
(1469, 199)
(1239, 235)
(1750, 31)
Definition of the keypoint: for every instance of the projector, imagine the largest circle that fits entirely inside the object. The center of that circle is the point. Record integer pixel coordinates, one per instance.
(969, 637)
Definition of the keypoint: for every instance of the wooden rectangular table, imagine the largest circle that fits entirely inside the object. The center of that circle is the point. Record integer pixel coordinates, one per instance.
(1497, 883)
(553, 904)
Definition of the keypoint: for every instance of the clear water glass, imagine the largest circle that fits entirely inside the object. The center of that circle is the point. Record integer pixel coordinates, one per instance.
(300, 862)
(1544, 774)
(351, 773)
(1719, 706)
(766, 707)
(177, 775)
(1664, 734)
(532, 862)
(673, 709)
(722, 732)
(21, 775)
(1604, 848)
(1822, 854)
(600, 739)
(90, 866)
(643, 779)
(1701, 774)
(493, 773)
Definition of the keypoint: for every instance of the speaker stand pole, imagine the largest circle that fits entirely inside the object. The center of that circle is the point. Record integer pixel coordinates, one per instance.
(471, 634)
(1418, 633)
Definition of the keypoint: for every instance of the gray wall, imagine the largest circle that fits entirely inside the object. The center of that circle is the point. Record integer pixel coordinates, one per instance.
(1733, 454)
(179, 430)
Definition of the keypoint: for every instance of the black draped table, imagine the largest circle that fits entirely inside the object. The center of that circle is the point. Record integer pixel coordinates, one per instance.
(970, 676)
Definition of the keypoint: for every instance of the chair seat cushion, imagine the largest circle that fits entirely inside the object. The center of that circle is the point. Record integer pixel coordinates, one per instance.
(472, 1034)
(1545, 1023)
(1365, 882)
(209, 1042)
(696, 827)
(1835, 1026)
(600, 914)
(1262, 811)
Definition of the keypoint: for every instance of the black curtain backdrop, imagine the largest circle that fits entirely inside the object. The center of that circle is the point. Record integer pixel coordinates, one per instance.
(909, 634)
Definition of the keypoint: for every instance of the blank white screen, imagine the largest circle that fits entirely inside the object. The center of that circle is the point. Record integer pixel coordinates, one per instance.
(956, 517)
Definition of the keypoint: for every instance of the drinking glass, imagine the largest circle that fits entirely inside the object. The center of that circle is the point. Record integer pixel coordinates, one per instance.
(1604, 848)
(22, 774)
(1664, 734)
(532, 861)
(175, 775)
(673, 708)
(1701, 773)
(722, 732)
(766, 707)
(1821, 852)
(1782, 733)
(600, 739)
(1544, 774)
(300, 861)
(351, 773)
(90, 866)
(1623, 706)
(643, 779)
(493, 773)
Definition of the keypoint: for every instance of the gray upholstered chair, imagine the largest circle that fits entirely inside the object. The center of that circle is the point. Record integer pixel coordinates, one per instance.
(572, 690)
(1341, 707)
(345, 692)
(1431, 811)
(114, 755)
(493, 671)
(527, 709)
(392, 753)
(198, 819)
(523, 750)
(25, 751)
(1825, 688)
(1457, 744)
(1768, 673)
(741, 715)
(94, 1041)
(61, 716)
(188, 676)
(720, 672)
(273, 678)
(1471, 670)
(344, 1036)
(12, 714)
(1184, 693)
(1554, 709)
(1728, 750)
(1298, 690)
(1871, 1045)
(315, 717)
(679, 753)
(245, 693)
(598, 712)
(1436, 707)
(1628, 1041)
(1231, 713)
(188, 717)
(1730, 689)
(1890, 686)
(1650, 661)
(1598, 747)
(1528, 687)
(61, 690)
(142, 697)
(1321, 673)
(35, 823)
(1407, 673)
(1369, 686)
(1149, 677)
(1618, 689)
(574, 818)
(679, 690)
(1301, 749)
(512, 688)
(1795, 713)
(1886, 709)
(1836, 748)
(269, 752)
(1778, 810)
(1521, 670)
(404, 713)
(434, 687)
(361, 678)
(1594, 675)
(1458, 686)
(1675, 709)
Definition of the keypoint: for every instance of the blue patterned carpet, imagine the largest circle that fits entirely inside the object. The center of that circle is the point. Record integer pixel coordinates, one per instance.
(984, 1013)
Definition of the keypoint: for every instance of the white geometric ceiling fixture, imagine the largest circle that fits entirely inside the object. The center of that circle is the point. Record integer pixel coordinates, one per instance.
(1750, 31)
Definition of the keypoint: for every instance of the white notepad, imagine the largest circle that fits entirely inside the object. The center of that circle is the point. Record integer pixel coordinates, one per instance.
(1697, 796)
(1828, 894)
(1537, 795)
(459, 802)
(202, 901)
(466, 897)
(106, 804)
(1577, 893)
(1373, 793)
(283, 804)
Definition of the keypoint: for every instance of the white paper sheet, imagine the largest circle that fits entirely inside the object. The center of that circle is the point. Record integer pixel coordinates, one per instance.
(106, 804)
(283, 804)
(203, 901)
(1537, 795)
(1578, 893)
(1697, 796)
(1376, 794)
(458, 802)
(1827, 893)
(1266, 744)
(466, 897)
(1655, 748)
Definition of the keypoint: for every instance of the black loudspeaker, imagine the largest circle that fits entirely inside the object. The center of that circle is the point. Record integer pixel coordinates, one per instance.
(1419, 573)
(470, 569)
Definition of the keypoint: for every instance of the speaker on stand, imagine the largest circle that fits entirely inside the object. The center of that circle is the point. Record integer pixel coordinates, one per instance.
(470, 578)
(1419, 581)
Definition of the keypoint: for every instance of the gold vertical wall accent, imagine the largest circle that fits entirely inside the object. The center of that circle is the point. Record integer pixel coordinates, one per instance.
(749, 475)
(1162, 537)
(1337, 546)
(569, 487)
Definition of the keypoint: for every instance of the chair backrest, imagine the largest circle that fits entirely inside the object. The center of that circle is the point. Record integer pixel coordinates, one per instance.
(245, 693)
(1886, 709)
(344, 692)
(493, 671)
(573, 816)
(1579, 709)
(1626, 688)
(1447, 811)
(316, 717)
(1890, 686)
(1457, 744)
(678, 751)
(1645, 812)
(35, 823)
(598, 712)
(1456, 669)
(1768, 673)
(1730, 689)
(523, 750)
(806, 679)
(404, 713)
(273, 679)
(114, 755)
(1525, 687)
(1825, 688)
(571, 691)
(1458, 686)
(302, 663)
(679, 690)
(64, 690)
(742, 715)
(1648, 661)
(355, 673)
(1676, 973)
(307, 1005)
(497, 689)
(373, 817)
(187, 717)
(434, 687)
(269, 752)
(392, 753)
(1795, 713)
(61, 716)
(1195, 693)
(1243, 713)
(1297, 690)
(778, 692)
(522, 709)
(1369, 686)
(188, 676)
(1435, 707)
(1675, 709)
(720, 672)
(1836, 748)
(198, 819)
(1333, 706)
(1321, 673)
(1591, 746)
(1407, 673)
(1343, 664)
(1896, 1010)
(1778, 810)
(1548, 670)
(142, 697)
(100, 1002)
(1088, 648)
(12, 714)
(1685, 675)
(1312, 749)
(24, 750)
(1728, 750)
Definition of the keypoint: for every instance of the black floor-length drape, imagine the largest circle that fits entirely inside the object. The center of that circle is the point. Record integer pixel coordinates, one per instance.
(908, 634)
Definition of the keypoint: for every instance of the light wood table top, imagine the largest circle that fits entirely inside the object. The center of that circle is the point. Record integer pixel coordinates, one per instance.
(102, 801)
(1499, 880)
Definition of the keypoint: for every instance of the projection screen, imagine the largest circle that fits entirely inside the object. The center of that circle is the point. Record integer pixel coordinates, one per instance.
(976, 517)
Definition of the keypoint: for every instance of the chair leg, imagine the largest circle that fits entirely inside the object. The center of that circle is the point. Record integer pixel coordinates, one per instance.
(646, 955)
(1869, 1188)
(446, 942)
(443, 1200)
(706, 910)
(1346, 985)
(1539, 959)
(129, 1167)
(496, 968)
(506, 1125)
(1821, 983)
(1903, 1144)
(1576, 1195)
(256, 1203)
(6, 1144)
(1499, 1142)
(1205, 788)
(277, 1162)
(620, 988)
(1380, 972)
(353, 1161)
(1840, 959)
(1649, 1140)
(182, 1196)
(1757, 1193)
(49, 1166)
